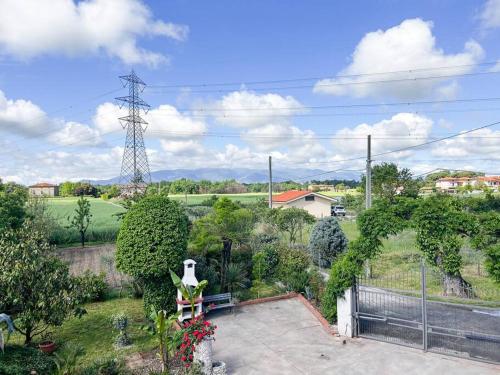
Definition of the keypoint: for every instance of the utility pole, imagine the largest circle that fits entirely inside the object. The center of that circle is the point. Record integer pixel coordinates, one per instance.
(368, 188)
(270, 183)
(368, 191)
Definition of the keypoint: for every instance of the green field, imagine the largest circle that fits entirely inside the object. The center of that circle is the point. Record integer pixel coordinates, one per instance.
(102, 211)
(103, 227)
(195, 199)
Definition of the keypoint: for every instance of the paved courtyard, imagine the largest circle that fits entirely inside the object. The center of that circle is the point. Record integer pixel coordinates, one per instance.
(283, 337)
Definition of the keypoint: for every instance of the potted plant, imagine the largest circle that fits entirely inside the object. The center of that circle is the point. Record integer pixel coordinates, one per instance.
(47, 345)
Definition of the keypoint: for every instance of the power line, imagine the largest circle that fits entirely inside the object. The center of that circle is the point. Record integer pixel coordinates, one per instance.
(407, 148)
(276, 88)
(362, 105)
(408, 71)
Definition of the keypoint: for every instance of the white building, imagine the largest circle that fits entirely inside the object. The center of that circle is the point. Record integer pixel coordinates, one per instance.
(318, 205)
(452, 183)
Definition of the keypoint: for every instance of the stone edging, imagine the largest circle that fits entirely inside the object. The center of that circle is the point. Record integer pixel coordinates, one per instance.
(324, 323)
(267, 299)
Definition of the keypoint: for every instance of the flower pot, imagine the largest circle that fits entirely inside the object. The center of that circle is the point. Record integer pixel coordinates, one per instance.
(204, 355)
(219, 368)
(47, 346)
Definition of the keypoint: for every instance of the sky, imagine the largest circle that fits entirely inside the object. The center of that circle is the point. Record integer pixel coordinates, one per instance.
(232, 82)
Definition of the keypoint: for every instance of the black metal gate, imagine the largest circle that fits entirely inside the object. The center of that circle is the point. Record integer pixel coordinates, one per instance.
(398, 310)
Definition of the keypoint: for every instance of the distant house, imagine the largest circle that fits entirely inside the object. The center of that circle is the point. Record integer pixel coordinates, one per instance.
(450, 184)
(318, 205)
(44, 189)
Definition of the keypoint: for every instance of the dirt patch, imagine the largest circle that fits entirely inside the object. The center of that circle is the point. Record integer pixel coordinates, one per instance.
(97, 259)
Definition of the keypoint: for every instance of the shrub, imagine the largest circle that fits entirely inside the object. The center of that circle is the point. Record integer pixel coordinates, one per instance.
(91, 287)
(36, 286)
(105, 366)
(23, 360)
(265, 263)
(327, 241)
(292, 268)
(120, 323)
(152, 240)
(492, 261)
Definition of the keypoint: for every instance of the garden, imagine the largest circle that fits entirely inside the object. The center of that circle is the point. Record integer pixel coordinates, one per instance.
(62, 322)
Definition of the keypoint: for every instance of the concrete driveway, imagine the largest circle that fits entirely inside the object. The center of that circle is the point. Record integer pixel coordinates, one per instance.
(283, 337)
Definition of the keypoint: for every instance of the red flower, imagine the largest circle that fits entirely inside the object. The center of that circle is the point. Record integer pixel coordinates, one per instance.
(183, 358)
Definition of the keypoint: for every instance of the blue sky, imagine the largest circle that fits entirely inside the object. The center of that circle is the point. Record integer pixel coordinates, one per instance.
(60, 61)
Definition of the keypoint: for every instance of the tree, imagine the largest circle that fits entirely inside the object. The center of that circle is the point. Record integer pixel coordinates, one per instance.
(67, 189)
(389, 181)
(82, 218)
(12, 206)
(441, 223)
(37, 289)
(290, 220)
(152, 240)
(327, 241)
(487, 239)
(227, 224)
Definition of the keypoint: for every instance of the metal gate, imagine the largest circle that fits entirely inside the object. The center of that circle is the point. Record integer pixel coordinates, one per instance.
(405, 309)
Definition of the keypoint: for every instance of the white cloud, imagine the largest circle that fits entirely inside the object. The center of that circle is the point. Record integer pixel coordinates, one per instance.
(490, 14)
(30, 28)
(482, 142)
(164, 121)
(74, 133)
(182, 147)
(245, 109)
(24, 118)
(410, 45)
(400, 131)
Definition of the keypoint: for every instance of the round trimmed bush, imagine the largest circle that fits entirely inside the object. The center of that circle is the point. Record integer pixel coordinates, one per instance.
(327, 241)
(152, 240)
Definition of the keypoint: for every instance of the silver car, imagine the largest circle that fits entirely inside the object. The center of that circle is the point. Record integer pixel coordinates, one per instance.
(338, 211)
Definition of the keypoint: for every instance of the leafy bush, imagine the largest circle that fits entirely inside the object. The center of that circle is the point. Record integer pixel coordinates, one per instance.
(327, 241)
(91, 287)
(265, 263)
(492, 261)
(36, 286)
(105, 366)
(292, 268)
(23, 360)
(152, 240)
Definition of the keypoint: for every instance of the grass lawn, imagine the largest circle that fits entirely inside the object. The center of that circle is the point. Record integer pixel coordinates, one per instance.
(95, 332)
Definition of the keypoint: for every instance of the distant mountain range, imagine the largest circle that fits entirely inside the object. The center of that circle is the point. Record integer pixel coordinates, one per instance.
(243, 175)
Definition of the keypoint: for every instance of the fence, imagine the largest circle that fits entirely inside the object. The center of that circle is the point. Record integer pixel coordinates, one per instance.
(414, 309)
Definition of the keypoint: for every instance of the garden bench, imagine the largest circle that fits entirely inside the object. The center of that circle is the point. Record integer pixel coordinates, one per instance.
(218, 301)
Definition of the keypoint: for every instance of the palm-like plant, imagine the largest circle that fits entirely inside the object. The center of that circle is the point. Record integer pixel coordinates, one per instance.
(66, 361)
(161, 328)
(188, 292)
(236, 277)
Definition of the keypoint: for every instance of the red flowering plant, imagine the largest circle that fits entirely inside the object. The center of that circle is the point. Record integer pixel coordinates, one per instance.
(194, 331)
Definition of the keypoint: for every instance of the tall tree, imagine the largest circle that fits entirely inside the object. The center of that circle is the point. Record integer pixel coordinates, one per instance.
(441, 224)
(290, 220)
(389, 181)
(81, 218)
(13, 199)
(228, 224)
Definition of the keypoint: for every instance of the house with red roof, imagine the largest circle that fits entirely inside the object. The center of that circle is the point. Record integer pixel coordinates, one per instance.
(44, 189)
(316, 204)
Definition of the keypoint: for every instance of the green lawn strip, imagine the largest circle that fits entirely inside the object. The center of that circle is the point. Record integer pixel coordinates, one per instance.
(95, 332)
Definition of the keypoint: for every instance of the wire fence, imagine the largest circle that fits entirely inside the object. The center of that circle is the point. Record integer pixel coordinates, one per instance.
(428, 310)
